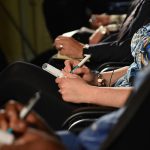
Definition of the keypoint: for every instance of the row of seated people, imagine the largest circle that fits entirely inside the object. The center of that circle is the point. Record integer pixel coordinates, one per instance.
(91, 91)
(127, 122)
(115, 47)
(83, 86)
(101, 26)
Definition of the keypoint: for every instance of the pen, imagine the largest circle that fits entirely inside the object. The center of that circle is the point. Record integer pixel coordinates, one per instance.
(80, 63)
(26, 109)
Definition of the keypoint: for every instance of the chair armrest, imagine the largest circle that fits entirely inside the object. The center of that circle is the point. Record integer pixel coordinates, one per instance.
(111, 66)
(83, 117)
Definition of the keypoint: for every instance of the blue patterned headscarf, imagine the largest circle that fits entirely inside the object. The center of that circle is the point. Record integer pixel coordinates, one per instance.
(140, 49)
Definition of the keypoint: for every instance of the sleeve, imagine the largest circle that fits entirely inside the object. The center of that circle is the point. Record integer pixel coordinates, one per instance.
(108, 52)
(70, 140)
(92, 137)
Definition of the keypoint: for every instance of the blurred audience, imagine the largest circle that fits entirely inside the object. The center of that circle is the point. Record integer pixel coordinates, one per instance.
(109, 51)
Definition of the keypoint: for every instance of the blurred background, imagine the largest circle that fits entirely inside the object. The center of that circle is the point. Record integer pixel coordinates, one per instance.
(28, 27)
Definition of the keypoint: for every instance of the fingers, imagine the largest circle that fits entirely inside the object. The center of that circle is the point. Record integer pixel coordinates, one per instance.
(59, 42)
(3, 121)
(12, 111)
(9, 118)
(69, 64)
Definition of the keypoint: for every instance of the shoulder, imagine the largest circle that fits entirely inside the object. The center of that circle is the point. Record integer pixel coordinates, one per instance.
(140, 39)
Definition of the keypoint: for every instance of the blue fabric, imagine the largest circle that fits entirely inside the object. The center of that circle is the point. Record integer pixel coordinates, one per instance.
(140, 49)
(92, 138)
(70, 140)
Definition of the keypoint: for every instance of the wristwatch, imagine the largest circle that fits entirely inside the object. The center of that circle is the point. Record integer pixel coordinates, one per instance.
(100, 81)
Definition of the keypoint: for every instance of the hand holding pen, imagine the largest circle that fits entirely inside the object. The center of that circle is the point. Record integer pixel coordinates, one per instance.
(9, 118)
(81, 63)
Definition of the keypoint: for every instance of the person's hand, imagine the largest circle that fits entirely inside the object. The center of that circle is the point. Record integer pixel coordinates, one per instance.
(35, 140)
(73, 88)
(9, 118)
(84, 72)
(97, 20)
(69, 47)
(96, 37)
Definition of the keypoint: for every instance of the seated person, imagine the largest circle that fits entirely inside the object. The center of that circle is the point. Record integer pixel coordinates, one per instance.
(105, 25)
(101, 27)
(104, 19)
(76, 89)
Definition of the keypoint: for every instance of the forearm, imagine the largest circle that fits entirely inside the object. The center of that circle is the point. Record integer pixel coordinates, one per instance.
(112, 76)
(108, 96)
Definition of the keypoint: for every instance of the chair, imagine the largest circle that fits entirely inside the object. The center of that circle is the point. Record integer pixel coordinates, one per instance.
(85, 116)
(133, 128)
(112, 65)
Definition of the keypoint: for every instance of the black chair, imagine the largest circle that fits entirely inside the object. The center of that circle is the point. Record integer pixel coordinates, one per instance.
(112, 66)
(85, 116)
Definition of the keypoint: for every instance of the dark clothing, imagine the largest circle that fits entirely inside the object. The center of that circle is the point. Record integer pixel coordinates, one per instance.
(119, 50)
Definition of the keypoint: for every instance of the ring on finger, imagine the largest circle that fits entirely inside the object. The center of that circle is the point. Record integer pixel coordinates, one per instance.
(60, 46)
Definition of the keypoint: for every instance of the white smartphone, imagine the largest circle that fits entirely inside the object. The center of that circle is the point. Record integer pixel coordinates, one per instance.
(52, 70)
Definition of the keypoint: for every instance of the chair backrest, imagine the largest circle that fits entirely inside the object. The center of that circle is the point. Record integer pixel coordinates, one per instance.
(133, 128)
(20, 80)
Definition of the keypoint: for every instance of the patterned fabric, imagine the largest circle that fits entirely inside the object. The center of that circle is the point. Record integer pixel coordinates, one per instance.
(140, 49)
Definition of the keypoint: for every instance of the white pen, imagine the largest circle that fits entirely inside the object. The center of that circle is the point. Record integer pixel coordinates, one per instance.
(26, 110)
(80, 63)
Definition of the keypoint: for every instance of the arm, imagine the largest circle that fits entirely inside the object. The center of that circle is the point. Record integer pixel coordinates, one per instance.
(102, 52)
(112, 76)
(109, 96)
(105, 19)
(34, 139)
(74, 89)
(110, 52)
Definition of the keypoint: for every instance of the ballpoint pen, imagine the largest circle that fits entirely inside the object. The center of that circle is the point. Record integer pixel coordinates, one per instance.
(80, 63)
(26, 109)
